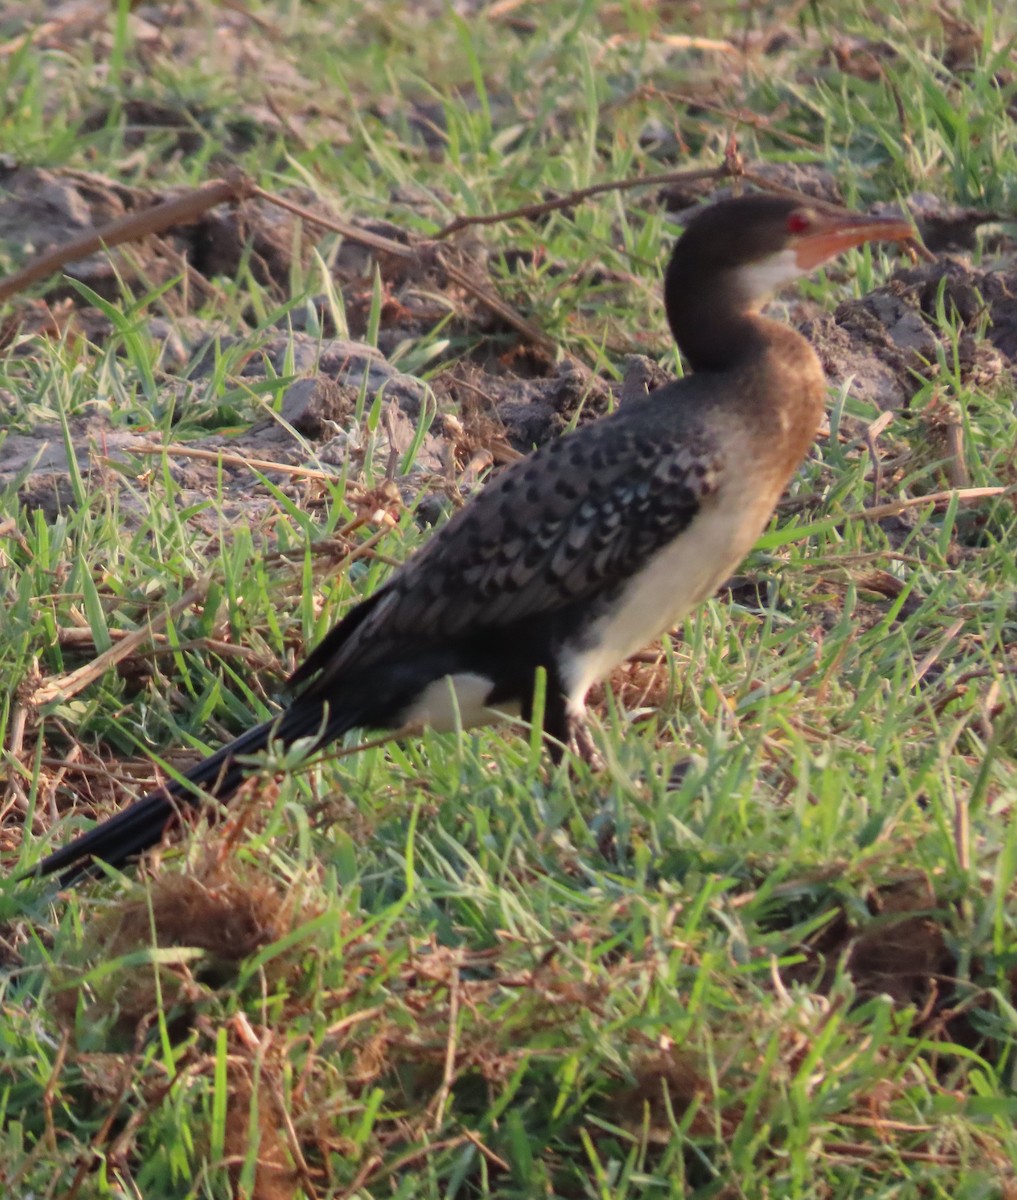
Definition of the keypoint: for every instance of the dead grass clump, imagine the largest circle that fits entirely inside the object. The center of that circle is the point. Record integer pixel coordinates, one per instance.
(903, 953)
(667, 1085)
(226, 911)
(215, 917)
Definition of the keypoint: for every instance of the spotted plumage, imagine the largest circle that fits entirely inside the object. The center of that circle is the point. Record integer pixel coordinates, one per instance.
(577, 556)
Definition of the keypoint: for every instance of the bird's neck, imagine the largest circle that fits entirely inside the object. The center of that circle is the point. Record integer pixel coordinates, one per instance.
(715, 334)
(762, 366)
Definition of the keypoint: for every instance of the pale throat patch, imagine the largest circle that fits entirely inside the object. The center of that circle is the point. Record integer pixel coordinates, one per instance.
(769, 274)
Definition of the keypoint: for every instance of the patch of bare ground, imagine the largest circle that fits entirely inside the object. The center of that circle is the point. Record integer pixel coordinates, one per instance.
(883, 343)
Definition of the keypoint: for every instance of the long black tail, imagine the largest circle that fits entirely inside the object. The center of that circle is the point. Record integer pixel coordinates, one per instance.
(142, 824)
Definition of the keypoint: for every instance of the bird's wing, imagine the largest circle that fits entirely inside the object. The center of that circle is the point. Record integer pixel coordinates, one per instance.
(574, 520)
(556, 534)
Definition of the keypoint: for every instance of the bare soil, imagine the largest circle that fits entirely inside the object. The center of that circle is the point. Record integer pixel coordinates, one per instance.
(506, 396)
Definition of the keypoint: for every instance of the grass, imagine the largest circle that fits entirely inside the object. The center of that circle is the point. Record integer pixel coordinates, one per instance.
(770, 949)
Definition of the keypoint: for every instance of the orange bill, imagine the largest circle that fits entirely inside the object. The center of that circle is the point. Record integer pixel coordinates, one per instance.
(832, 235)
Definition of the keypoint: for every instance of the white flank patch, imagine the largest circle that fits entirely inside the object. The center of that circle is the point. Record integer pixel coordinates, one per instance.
(455, 700)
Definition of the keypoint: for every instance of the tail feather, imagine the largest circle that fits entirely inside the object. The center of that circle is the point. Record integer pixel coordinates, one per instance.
(142, 824)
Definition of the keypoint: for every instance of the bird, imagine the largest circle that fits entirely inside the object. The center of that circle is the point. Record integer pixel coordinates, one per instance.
(581, 553)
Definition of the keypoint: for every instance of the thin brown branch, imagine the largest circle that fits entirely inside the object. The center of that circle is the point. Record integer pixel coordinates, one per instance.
(366, 1014)
(181, 210)
(233, 460)
(872, 432)
(65, 686)
(363, 237)
(487, 1152)
(508, 314)
(936, 499)
(576, 197)
(856, 1150)
(384, 245)
(101, 1138)
(369, 1167)
(956, 464)
(14, 793)
(292, 1137)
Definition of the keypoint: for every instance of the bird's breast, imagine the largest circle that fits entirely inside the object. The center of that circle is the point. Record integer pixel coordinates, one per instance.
(675, 580)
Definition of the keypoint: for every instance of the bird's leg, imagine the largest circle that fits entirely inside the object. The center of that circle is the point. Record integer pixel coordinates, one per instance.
(581, 743)
(566, 729)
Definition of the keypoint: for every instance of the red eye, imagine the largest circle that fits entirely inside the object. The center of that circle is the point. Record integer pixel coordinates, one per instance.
(798, 222)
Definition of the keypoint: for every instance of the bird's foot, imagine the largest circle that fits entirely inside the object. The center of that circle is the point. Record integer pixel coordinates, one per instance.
(583, 746)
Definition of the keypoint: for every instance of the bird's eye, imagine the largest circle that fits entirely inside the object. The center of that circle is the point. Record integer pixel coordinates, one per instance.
(798, 221)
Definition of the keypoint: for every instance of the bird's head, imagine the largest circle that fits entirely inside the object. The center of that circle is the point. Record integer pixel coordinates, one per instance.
(736, 253)
(753, 245)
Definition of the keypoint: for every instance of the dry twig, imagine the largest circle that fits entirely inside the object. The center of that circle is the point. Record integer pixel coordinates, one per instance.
(131, 227)
(70, 684)
(539, 208)
(936, 499)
